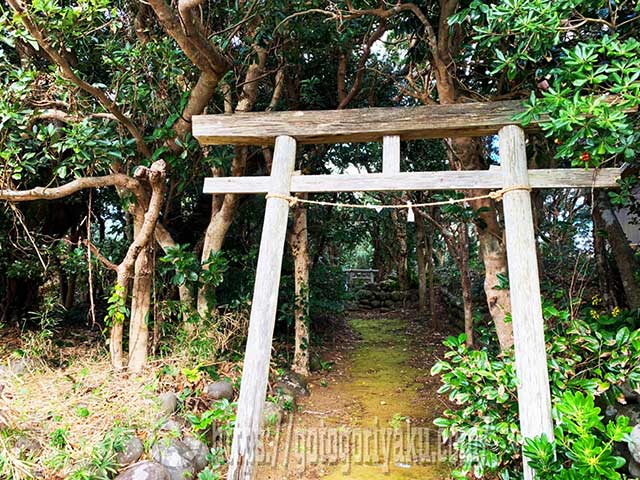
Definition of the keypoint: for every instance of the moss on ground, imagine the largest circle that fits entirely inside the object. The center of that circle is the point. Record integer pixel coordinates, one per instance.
(384, 383)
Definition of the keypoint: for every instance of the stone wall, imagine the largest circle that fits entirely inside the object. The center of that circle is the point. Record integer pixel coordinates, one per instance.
(383, 296)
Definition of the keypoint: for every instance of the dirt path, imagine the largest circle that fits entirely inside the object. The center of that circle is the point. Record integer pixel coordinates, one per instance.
(370, 416)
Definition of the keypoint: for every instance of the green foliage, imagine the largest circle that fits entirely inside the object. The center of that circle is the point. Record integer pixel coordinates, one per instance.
(587, 127)
(484, 427)
(397, 420)
(212, 275)
(117, 310)
(102, 464)
(59, 438)
(185, 265)
(327, 290)
(82, 412)
(222, 415)
(194, 375)
(208, 474)
(574, 55)
(583, 447)
(187, 270)
(216, 459)
(589, 356)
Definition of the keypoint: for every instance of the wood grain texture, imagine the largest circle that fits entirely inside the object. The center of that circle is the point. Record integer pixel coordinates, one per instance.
(391, 154)
(534, 399)
(255, 372)
(448, 180)
(358, 125)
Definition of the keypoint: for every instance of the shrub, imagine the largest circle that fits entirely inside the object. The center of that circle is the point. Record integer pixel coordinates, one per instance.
(594, 354)
(583, 447)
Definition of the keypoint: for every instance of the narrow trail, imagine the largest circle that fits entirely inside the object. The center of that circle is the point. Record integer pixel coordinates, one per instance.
(375, 407)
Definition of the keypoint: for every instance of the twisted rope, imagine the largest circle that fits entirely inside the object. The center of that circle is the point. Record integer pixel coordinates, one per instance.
(495, 195)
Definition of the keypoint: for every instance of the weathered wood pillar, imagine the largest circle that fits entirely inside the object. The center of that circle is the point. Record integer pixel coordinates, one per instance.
(391, 154)
(255, 372)
(534, 398)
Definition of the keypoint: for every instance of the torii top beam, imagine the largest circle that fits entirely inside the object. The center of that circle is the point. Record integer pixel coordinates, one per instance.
(376, 124)
(358, 125)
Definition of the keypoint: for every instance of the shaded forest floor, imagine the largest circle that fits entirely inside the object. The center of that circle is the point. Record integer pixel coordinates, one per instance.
(370, 415)
(60, 397)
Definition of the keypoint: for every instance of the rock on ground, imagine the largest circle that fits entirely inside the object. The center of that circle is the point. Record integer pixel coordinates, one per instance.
(291, 383)
(287, 402)
(171, 425)
(28, 446)
(175, 456)
(272, 414)
(632, 411)
(17, 366)
(182, 458)
(144, 471)
(199, 450)
(629, 393)
(168, 402)
(131, 453)
(219, 390)
(634, 443)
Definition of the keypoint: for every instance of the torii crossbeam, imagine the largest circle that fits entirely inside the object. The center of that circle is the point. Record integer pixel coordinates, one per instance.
(390, 125)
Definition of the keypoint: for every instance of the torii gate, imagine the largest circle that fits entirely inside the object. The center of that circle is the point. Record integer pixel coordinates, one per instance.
(391, 125)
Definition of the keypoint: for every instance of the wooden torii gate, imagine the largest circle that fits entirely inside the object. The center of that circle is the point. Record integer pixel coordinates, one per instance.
(390, 125)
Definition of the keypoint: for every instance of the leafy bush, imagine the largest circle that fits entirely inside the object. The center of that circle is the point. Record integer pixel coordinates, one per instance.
(583, 447)
(578, 76)
(485, 428)
(328, 290)
(222, 415)
(222, 333)
(595, 355)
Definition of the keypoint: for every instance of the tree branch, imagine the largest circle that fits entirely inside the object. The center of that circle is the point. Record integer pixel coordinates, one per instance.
(199, 98)
(155, 175)
(188, 34)
(387, 13)
(104, 260)
(67, 72)
(43, 193)
(277, 90)
(64, 117)
(375, 36)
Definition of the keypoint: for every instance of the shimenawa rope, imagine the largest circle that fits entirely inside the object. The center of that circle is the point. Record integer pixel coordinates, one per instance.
(495, 195)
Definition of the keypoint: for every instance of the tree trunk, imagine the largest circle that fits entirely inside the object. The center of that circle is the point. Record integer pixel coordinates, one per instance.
(421, 260)
(465, 280)
(140, 308)
(378, 255)
(400, 228)
(115, 345)
(222, 210)
(145, 220)
(424, 257)
(605, 218)
(70, 293)
(300, 250)
(493, 255)
(430, 275)
(146, 212)
(602, 266)
(463, 154)
(491, 245)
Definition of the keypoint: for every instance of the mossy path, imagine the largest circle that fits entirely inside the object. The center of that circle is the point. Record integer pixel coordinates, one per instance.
(378, 395)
